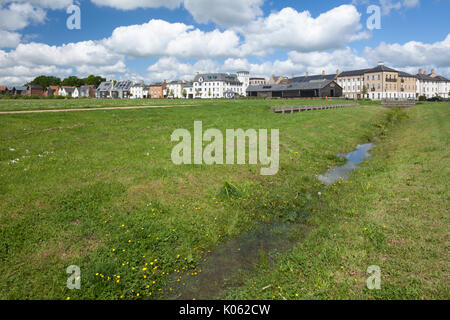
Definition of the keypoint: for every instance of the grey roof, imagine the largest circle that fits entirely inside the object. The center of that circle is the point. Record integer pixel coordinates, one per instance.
(87, 87)
(328, 77)
(69, 90)
(123, 85)
(428, 77)
(353, 73)
(35, 86)
(381, 68)
(310, 85)
(21, 88)
(406, 75)
(360, 72)
(105, 86)
(210, 77)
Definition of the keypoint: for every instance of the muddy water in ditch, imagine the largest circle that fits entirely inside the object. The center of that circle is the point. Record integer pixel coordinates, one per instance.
(221, 269)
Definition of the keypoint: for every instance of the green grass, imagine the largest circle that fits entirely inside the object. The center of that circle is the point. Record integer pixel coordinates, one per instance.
(99, 190)
(393, 213)
(49, 104)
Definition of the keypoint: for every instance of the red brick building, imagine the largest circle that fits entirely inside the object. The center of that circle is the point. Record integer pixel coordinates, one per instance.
(156, 90)
(34, 89)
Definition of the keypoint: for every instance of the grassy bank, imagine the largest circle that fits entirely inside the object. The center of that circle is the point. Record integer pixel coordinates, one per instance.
(99, 190)
(393, 213)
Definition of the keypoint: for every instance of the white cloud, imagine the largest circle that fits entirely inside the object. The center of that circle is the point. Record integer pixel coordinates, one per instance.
(388, 5)
(293, 30)
(134, 4)
(412, 54)
(19, 15)
(159, 38)
(82, 58)
(224, 12)
(9, 39)
(48, 4)
(171, 68)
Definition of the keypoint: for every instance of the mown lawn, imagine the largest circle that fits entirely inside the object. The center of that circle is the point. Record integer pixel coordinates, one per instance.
(50, 104)
(99, 190)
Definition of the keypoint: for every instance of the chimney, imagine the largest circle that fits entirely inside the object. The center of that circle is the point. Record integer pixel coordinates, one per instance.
(337, 71)
(381, 63)
(424, 71)
(307, 75)
(323, 72)
(433, 74)
(420, 71)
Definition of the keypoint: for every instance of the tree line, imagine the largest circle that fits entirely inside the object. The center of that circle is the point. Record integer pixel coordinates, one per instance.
(72, 81)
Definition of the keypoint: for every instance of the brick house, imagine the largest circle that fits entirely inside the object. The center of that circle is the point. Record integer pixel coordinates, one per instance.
(156, 90)
(34, 89)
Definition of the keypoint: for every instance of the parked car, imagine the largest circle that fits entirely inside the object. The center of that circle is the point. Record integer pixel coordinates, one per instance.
(435, 99)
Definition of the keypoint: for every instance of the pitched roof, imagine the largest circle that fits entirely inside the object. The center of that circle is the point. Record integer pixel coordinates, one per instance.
(3, 88)
(353, 73)
(34, 86)
(208, 77)
(405, 74)
(123, 85)
(381, 68)
(105, 86)
(428, 77)
(314, 77)
(306, 85)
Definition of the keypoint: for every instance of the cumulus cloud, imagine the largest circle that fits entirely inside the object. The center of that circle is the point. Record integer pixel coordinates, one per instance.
(170, 68)
(9, 39)
(412, 53)
(224, 12)
(159, 38)
(134, 4)
(300, 31)
(82, 58)
(388, 5)
(17, 16)
(48, 4)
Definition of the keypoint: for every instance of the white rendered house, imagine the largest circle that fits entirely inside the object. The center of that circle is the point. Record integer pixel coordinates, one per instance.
(217, 85)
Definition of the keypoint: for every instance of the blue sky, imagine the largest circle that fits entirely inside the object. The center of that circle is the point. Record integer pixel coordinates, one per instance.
(155, 40)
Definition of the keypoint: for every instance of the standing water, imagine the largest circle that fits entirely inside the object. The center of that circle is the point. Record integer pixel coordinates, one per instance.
(354, 158)
(219, 270)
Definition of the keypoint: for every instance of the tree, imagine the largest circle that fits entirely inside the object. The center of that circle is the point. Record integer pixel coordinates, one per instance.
(94, 80)
(184, 93)
(72, 81)
(364, 91)
(197, 92)
(45, 81)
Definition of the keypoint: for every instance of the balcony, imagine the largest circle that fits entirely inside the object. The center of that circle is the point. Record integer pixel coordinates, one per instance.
(391, 79)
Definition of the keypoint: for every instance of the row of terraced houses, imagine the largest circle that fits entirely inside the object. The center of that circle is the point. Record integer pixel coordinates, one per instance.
(380, 82)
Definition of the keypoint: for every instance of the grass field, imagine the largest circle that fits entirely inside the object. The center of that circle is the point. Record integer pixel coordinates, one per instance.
(51, 104)
(98, 190)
